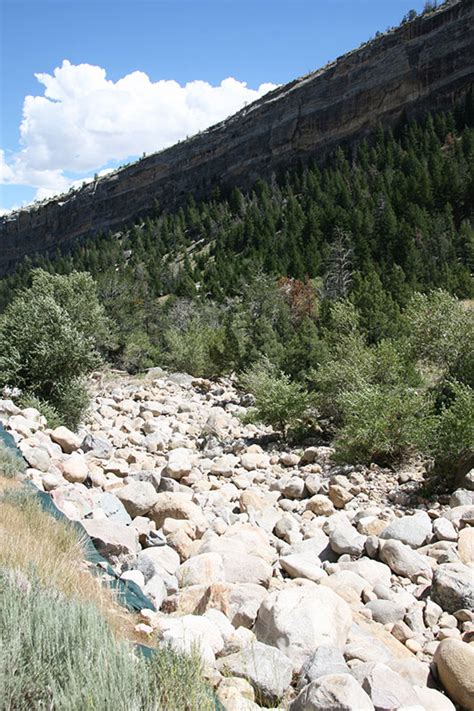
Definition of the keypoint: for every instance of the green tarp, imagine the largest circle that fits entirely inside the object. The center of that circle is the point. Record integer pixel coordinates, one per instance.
(128, 593)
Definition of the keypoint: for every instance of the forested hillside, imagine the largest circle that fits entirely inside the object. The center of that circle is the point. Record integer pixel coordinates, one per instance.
(395, 216)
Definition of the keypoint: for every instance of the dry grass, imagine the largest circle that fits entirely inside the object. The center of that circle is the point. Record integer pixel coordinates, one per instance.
(31, 539)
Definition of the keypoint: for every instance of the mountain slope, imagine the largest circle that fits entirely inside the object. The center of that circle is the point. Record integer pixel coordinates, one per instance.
(426, 64)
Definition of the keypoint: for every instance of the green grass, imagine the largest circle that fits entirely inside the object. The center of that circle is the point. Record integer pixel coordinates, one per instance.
(60, 654)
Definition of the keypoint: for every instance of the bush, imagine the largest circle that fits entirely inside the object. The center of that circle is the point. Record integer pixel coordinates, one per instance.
(49, 412)
(139, 353)
(440, 332)
(195, 349)
(347, 363)
(449, 435)
(59, 653)
(380, 424)
(50, 336)
(279, 402)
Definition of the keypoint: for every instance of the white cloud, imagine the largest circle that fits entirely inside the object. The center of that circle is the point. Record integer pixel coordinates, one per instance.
(83, 121)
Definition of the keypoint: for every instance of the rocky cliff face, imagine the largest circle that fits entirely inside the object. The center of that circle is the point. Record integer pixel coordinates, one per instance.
(425, 64)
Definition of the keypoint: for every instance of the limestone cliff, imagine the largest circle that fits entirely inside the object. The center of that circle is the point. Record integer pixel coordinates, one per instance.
(426, 64)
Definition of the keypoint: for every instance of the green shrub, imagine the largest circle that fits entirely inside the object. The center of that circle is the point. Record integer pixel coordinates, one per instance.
(279, 402)
(440, 332)
(449, 435)
(380, 424)
(11, 464)
(196, 349)
(347, 362)
(57, 653)
(51, 414)
(139, 353)
(50, 336)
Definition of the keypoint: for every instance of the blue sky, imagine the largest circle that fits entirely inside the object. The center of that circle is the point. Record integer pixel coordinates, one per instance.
(141, 74)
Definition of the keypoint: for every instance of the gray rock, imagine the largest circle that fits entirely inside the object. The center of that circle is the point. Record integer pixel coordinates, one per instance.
(444, 530)
(299, 565)
(344, 538)
(100, 448)
(138, 497)
(388, 690)
(334, 692)
(462, 497)
(113, 508)
(158, 560)
(466, 481)
(414, 530)
(313, 484)
(403, 560)
(111, 538)
(244, 602)
(373, 571)
(267, 669)
(384, 611)
(298, 619)
(37, 457)
(325, 660)
(453, 587)
(156, 589)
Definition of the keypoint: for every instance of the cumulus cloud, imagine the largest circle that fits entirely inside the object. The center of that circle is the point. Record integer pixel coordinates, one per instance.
(84, 121)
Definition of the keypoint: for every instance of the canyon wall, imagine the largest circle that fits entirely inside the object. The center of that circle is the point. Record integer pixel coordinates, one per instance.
(426, 64)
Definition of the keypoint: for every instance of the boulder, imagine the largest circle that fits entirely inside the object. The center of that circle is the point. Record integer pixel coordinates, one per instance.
(267, 669)
(300, 565)
(189, 633)
(255, 460)
(455, 665)
(453, 587)
(325, 660)
(298, 619)
(403, 560)
(75, 468)
(347, 584)
(37, 457)
(320, 505)
(156, 589)
(180, 462)
(138, 497)
(246, 554)
(444, 530)
(111, 538)
(177, 505)
(414, 530)
(67, 440)
(373, 571)
(205, 568)
(433, 699)
(466, 545)
(113, 508)
(334, 692)
(344, 538)
(461, 497)
(156, 560)
(339, 495)
(243, 603)
(75, 501)
(99, 447)
(385, 611)
(388, 690)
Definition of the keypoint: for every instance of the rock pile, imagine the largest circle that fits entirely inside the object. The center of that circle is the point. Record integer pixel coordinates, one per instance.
(305, 585)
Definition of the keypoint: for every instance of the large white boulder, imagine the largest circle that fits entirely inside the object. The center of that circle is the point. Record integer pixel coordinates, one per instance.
(297, 619)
